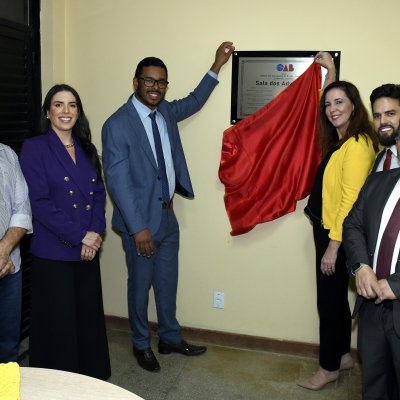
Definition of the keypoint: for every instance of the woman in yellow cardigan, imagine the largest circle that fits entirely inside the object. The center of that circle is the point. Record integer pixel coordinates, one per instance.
(349, 145)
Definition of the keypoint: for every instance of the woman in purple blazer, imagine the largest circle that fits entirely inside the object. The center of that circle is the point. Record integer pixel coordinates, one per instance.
(66, 190)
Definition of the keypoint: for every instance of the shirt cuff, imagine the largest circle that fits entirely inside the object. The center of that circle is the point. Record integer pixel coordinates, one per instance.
(21, 221)
(213, 75)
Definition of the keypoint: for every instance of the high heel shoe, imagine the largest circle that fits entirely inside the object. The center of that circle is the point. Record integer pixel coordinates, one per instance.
(346, 362)
(321, 378)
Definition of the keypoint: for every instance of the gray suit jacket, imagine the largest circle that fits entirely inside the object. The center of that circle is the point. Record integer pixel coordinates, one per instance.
(361, 228)
(130, 167)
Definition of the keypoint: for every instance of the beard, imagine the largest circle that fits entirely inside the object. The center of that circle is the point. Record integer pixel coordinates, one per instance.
(390, 140)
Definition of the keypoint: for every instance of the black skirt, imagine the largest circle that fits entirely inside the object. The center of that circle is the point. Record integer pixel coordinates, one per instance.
(67, 327)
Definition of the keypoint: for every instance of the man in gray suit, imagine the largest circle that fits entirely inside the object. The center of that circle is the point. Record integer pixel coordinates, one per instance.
(145, 165)
(385, 104)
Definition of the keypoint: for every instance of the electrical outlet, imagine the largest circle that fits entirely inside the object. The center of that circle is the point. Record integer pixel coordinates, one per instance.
(219, 299)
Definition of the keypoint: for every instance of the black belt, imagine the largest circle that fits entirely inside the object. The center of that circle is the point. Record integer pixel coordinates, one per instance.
(167, 205)
(388, 304)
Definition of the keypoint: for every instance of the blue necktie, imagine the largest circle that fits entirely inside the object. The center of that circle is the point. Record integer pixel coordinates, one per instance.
(160, 159)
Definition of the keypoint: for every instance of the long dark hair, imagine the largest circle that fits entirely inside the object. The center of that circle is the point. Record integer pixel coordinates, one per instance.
(359, 123)
(81, 128)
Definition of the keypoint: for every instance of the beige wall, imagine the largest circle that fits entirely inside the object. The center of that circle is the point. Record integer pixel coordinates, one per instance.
(268, 274)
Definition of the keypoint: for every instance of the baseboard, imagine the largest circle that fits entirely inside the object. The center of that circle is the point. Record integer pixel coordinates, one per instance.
(230, 339)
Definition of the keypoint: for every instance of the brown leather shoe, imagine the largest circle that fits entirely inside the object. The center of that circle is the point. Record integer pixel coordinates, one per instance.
(146, 359)
(182, 348)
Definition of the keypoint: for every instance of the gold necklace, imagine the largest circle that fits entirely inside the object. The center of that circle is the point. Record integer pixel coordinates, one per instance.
(68, 146)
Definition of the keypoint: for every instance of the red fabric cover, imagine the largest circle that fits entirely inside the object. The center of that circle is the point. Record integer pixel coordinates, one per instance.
(269, 159)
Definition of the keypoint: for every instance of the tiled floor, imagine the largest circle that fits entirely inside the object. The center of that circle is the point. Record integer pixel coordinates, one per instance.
(224, 374)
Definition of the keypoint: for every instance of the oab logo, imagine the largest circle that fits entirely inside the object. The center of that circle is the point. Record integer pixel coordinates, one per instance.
(284, 67)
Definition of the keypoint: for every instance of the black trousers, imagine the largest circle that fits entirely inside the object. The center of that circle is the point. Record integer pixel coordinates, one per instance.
(67, 327)
(379, 348)
(333, 305)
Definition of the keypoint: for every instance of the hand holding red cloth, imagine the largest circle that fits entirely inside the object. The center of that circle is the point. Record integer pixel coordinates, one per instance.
(269, 159)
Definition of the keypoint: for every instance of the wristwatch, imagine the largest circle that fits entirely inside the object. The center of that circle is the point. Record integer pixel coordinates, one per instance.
(356, 267)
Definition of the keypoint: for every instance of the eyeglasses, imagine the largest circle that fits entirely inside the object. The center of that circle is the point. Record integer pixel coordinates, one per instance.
(149, 82)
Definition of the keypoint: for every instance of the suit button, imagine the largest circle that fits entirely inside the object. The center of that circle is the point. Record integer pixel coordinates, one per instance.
(66, 179)
(160, 198)
(94, 180)
(71, 192)
(75, 205)
(91, 194)
(88, 207)
(158, 178)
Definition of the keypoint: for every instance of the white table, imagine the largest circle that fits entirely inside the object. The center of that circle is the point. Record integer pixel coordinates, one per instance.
(51, 384)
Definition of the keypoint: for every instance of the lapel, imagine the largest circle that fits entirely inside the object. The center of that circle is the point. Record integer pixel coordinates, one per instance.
(82, 173)
(139, 133)
(384, 183)
(395, 175)
(378, 159)
(166, 115)
(378, 200)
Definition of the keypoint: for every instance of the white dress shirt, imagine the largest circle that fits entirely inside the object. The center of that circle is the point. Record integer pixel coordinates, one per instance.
(144, 114)
(394, 163)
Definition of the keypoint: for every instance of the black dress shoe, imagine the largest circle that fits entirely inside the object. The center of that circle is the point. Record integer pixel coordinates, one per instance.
(182, 348)
(146, 359)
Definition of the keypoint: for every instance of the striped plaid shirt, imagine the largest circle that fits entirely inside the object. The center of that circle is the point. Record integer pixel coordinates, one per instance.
(15, 209)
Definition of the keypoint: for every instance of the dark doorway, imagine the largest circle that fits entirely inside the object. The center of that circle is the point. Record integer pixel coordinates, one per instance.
(20, 94)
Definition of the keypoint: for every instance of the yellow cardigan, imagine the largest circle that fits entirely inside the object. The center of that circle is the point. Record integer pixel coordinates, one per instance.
(344, 176)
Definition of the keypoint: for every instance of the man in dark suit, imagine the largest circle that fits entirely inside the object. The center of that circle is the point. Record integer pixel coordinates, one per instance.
(144, 166)
(385, 104)
(371, 241)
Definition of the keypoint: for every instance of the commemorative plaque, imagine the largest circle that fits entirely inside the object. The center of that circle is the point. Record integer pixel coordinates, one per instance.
(258, 76)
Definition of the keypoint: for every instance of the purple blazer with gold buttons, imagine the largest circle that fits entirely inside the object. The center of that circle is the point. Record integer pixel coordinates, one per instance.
(67, 199)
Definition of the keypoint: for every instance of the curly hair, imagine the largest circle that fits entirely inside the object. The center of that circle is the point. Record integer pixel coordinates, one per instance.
(150, 62)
